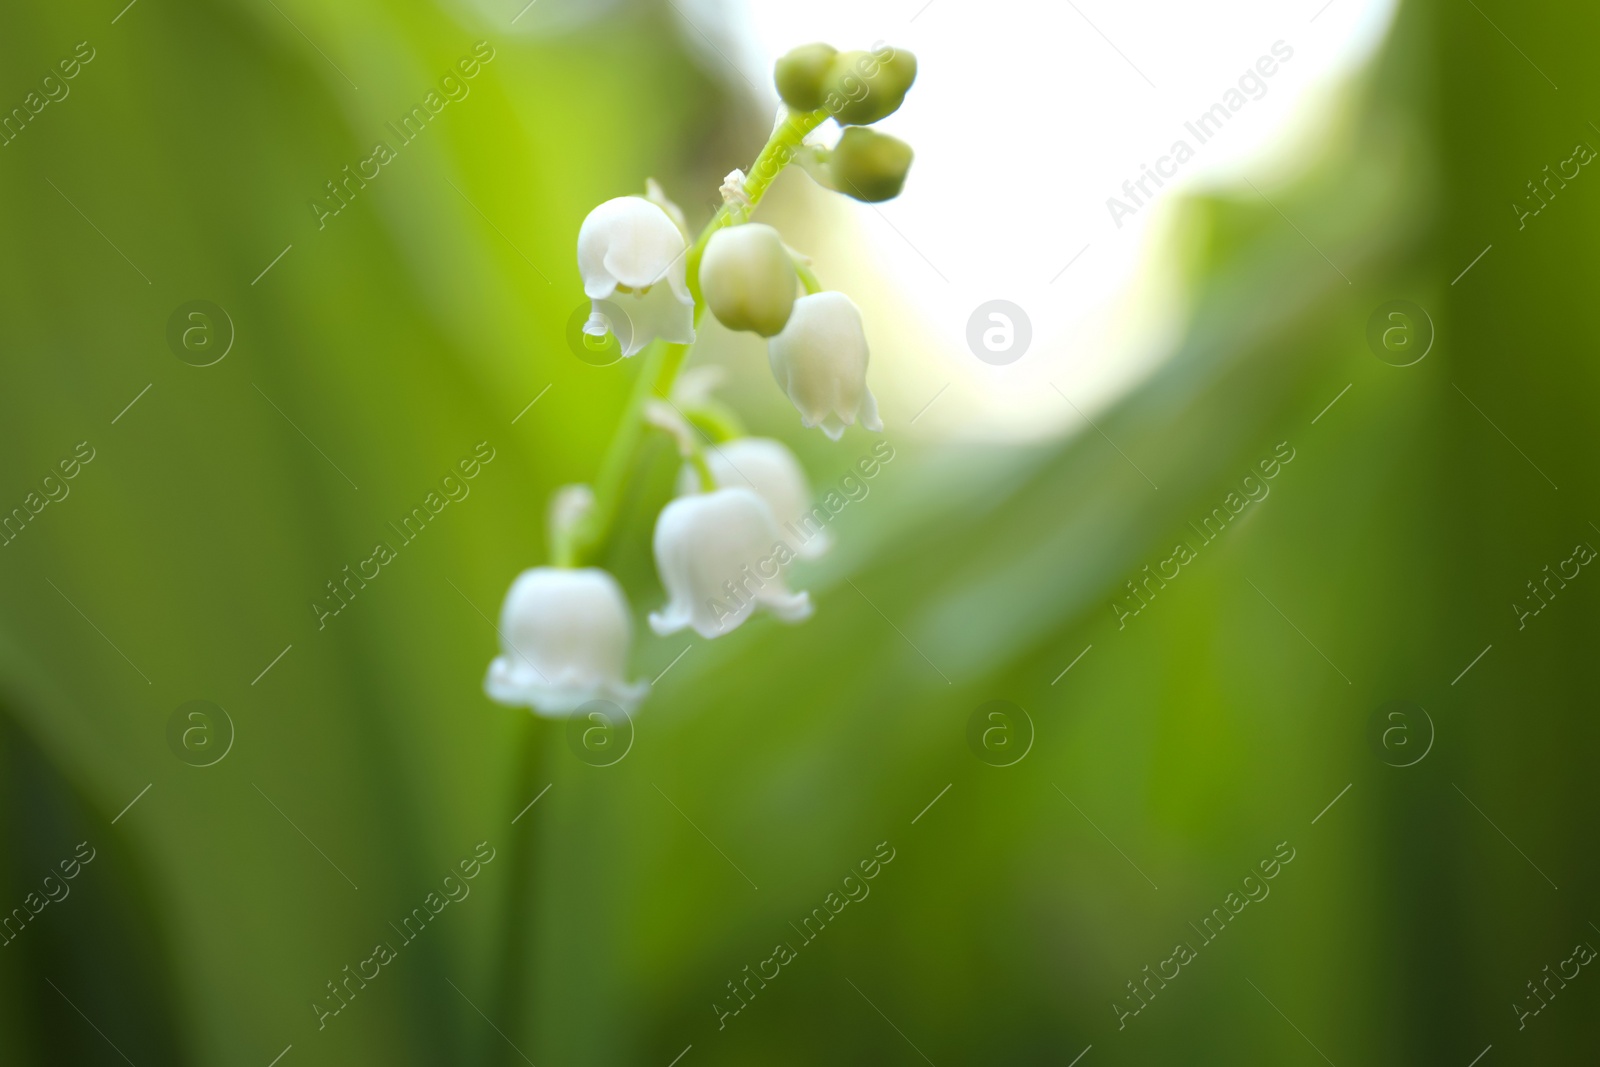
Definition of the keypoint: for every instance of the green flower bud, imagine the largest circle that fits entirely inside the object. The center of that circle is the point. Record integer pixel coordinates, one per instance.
(800, 74)
(863, 87)
(748, 279)
(869, 165)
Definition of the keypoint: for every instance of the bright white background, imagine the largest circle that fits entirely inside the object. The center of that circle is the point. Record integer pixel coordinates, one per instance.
(1025, 118)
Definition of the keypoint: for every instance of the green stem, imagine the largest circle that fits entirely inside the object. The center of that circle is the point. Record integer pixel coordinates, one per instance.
(590, 536)
(717, 421)
(662, 361)
(563, 550)
(518, 931)
(697, 459)
(808, 277)
(677, 355)
(779, 152)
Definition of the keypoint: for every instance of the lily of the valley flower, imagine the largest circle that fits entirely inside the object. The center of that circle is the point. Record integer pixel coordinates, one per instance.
(658, 196)
(775, 474)
(632, 254)
(720, 556)
(748, 279)
(696, 386)
(820, 361)
(564, 641)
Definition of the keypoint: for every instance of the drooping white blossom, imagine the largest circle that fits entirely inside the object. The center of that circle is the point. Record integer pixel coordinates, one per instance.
(747, 278)
(632, 254)
(564, 638)
(720, 557)
(697, 386)
(768, 467)
(658, 196)
(820, 361)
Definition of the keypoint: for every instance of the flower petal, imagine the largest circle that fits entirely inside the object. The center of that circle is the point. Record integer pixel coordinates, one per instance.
(820, 362)
(660, 312)
(719, 556)
(627, 241)
(565, 636)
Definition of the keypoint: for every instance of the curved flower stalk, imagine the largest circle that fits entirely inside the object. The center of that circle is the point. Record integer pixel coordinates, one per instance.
(769, 468)
(719, 547)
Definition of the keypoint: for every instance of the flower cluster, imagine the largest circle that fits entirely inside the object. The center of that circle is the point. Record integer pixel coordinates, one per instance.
(566, 629)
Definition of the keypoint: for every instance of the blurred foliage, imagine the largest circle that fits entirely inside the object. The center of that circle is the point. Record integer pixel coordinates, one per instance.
(425, 316)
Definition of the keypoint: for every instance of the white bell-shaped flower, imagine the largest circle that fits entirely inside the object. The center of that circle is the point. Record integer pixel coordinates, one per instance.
(632, 255)
(564, 638)
(748, 280)
(658, 196)
(820, 361)
(720, 556)
(768, 467)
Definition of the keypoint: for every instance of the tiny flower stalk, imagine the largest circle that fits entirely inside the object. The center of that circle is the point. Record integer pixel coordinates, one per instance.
(668, 419)
(802, 269)
(692, 395)
(570, 506)
(769, 468)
